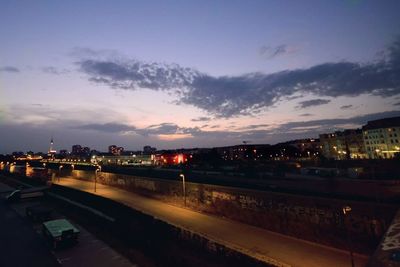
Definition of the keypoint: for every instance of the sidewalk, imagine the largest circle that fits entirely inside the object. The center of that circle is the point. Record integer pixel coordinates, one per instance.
(20, 245)
(256, 242)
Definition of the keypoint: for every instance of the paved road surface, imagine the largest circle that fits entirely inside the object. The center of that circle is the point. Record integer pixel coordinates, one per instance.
(22, 243)
(254, 241)
(89, 251)
(19, 243)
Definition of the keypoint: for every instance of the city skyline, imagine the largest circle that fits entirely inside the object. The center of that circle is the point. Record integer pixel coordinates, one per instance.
(176, 75)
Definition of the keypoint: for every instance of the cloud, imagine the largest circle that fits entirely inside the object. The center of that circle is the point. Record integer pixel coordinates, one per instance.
(312, 127)
(54, 70)
(136, 75)
(327, 125)
(9, 69)
(397, 104)
(163, 128)
(27, 135)
(306, 115)
(346, 107)
(254, 126)
(313, 102)
(157, 129)
(272, 52)
(201, 119)
(107, 127)
(228, 96)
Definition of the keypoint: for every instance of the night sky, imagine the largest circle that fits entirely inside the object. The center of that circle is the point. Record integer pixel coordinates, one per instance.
(174, 74)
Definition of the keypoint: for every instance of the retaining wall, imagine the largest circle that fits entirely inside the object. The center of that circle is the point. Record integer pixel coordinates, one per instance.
(312, 218)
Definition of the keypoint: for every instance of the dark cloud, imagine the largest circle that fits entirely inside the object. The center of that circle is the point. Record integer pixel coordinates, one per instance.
(107, 127)
(313, 102)
(228, 96)
(157, 129)
(135, 74)
(346, 107)
(397, 104)
(9, 69)
(54, 70)
(306, 115)
(328, 125)
(254, 126)
(310, 127)
(272, 52)
(163, 128)
(28, 136)
(201, 119)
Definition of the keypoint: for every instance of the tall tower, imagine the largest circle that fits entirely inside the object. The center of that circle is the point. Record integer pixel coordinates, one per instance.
(51, 144)
(52, 151)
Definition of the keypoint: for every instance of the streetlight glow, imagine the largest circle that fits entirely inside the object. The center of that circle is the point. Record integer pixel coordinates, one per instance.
(183, 187)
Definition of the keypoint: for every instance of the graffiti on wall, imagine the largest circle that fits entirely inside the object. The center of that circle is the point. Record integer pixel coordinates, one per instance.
(392, 238)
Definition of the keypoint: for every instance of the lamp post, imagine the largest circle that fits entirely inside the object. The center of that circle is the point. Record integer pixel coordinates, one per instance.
(95, 176)
(184, 188)
(59, 172)
(346, 210)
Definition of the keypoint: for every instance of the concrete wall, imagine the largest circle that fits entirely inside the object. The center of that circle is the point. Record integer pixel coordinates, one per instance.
(312, 218)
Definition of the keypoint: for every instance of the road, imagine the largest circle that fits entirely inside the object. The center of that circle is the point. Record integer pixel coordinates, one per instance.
(19, 243)
(89, 251)
(256, 242)
(22, 242)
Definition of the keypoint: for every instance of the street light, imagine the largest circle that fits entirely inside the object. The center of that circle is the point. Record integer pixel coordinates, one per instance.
(184, 188)
(59, 172)
(95, 176)
(346, 210)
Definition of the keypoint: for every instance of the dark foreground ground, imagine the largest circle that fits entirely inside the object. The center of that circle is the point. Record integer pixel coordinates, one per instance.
(19, 243)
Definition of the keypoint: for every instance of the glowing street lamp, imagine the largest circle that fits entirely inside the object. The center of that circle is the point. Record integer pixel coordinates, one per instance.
(184, 188)
(59, 171)
(346, 210)
(95, 176)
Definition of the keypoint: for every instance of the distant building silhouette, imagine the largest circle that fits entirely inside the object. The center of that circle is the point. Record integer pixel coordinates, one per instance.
(115, 150)
(148, 150)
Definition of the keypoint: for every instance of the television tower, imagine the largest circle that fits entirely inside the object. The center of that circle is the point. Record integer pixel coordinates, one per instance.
(52, 151)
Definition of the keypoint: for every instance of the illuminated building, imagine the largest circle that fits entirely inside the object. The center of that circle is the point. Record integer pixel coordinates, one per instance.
(309, 147)
(381, 138)
(171, 158)
(244, 152)
(113, 149)
(134, 160)
(78, 150)
(347, 144)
